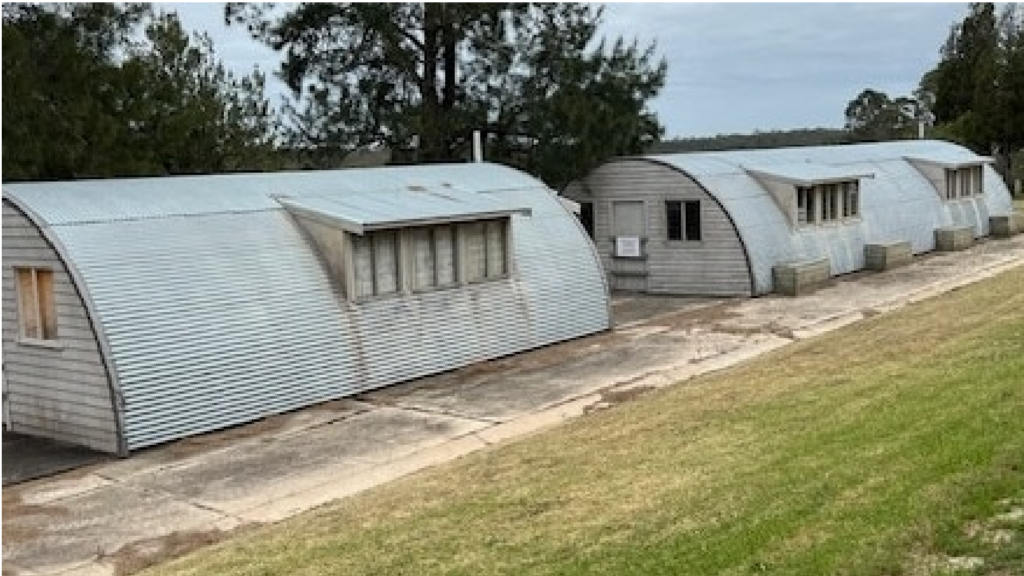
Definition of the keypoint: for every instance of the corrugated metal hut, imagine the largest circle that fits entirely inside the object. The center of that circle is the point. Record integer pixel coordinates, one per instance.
(717, 223)
(138, 311)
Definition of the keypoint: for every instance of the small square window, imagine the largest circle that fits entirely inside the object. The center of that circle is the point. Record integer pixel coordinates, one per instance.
(682, 220)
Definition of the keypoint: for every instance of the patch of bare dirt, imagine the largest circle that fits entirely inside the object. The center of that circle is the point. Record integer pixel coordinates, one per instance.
(702, 317)
(21, 520)
(137, 556)
(616, 396)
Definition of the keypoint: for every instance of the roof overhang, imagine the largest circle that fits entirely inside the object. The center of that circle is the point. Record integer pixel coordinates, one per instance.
(359, 214)
(807, 173)
(952, 163)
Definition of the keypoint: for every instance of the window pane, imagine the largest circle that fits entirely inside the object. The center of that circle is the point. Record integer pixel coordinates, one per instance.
(385, 262)
(673, 220)
(28, 305)
(362, 260)
(47, 305)
(693, 224)
(851, 198)
(803, 195)
(587, 217)
(830, 203)
(473, 239)
(421, 245)
(444, 251)
(496, 249)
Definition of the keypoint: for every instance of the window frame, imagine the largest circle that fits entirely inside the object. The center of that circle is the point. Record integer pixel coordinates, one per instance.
(964, 183)
(41, 301)
(679, 228)
(826, 204)
(406, 265)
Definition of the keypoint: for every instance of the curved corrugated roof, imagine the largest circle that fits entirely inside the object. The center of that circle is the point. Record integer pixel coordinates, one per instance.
(134, 198)
(217, 311)
(897, 203)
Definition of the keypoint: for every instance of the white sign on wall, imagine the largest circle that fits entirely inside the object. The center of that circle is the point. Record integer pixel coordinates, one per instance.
(627, 246)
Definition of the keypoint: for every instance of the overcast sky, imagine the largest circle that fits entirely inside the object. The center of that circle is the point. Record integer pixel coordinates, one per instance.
(732, 68)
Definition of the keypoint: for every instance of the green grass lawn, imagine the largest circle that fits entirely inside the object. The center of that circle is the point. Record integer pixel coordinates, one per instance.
(888, 447)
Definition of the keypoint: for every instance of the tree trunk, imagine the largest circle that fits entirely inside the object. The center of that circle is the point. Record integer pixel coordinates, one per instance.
(431, 139)
(449, 39)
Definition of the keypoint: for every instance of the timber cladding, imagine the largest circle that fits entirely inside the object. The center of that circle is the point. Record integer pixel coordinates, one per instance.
(59, 390)
(644, 192)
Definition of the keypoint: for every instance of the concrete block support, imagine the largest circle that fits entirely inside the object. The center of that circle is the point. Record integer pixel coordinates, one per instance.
(885, 256)
(953, 238)
(1006, 226)
(796, 278)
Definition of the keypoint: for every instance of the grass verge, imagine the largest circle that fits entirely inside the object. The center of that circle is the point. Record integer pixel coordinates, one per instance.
(894, 446)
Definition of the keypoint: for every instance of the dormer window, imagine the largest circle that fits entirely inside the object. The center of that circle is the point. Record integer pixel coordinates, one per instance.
(423, 258)
(963, 182)
(827, 203)
(812, 194)
(955, 178)
(407, 242)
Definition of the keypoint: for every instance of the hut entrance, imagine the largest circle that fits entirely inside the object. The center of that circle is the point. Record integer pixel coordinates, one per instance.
(629, 254)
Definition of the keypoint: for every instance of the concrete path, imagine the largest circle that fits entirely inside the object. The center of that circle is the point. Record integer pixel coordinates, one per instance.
(91, 520)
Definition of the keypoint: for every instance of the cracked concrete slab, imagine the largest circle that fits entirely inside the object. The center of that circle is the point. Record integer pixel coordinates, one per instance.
(79, 522)
(60, 535)
(358, 443)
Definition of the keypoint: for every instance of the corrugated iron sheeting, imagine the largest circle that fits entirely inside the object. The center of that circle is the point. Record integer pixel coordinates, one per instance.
(220, 313)
(138, 198)
(897, 204)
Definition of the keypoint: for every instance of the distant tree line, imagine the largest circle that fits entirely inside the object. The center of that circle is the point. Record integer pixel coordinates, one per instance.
(768, 139)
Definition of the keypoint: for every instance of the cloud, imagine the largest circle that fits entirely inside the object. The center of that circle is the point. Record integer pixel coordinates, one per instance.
(741, 67)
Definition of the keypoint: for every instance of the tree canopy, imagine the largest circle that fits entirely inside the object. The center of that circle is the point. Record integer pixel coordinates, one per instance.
(873, 117)
(974, 96)
(549, 96)
(94, 90)
(978, 85)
